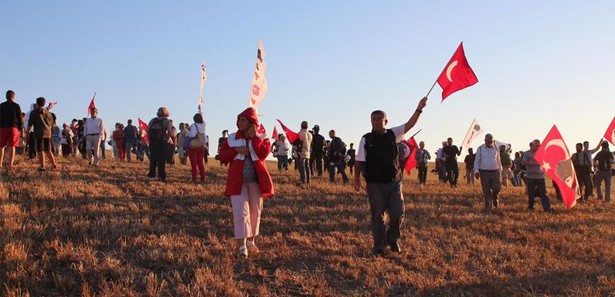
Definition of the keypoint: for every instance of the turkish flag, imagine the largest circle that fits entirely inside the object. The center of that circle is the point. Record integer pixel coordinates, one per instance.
(143, 128)
(554, 157)
(290, 134)
(274, 135)
(91, 104)
(411, 161)
(610, 132)
(457, 74)
(261, 130)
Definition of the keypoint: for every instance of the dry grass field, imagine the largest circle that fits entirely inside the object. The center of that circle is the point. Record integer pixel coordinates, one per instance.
(108, 231)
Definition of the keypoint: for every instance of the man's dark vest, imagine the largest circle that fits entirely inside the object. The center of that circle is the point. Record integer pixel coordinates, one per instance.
(381, 161)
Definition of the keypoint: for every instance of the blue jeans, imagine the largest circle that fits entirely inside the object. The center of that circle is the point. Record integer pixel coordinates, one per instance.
(537, 188)
(303, 165)
(606, 176)
(283, 162)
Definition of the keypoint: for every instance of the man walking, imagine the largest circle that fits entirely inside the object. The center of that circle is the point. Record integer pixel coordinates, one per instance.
(582, 167)
(422, 159)
(93, 131)
(451, 152)
(131, 138)
(487, 166)
(317, 150)
(535, 178)
(378, 155)
(336, 153)
(303, 161)
(605, 173)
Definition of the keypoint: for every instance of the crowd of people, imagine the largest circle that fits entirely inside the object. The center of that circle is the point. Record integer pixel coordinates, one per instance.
(379, 159)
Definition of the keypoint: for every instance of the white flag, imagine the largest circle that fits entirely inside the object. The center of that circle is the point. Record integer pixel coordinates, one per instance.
(474, 131)
(259, 81)
(498, 144)
(203, 79)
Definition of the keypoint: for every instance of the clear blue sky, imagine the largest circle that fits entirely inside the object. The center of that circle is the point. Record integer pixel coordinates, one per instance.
(331, 63)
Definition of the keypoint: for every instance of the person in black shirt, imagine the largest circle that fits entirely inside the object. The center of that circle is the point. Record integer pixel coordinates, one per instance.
(605, 173)
(316, 154)
(452, 168)
(351, 155)
(11, 124)
(378, 155)
(336, 153)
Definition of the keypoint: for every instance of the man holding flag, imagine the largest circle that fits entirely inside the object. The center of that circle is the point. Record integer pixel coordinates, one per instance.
(378, 155)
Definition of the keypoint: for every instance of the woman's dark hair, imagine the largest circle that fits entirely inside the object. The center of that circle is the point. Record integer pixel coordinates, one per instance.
(198, 118)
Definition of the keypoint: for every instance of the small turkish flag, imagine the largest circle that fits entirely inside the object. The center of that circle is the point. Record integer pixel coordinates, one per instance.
(274, 135)
(91, 104)
(290, 134)
(457, 74)
(554, 159)
(610, 132)
(261, 130)
(143, 128)
(411, 161)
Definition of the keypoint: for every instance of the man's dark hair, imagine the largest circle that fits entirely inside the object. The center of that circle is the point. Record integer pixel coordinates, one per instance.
(40, 101)
(304, 125)
(10, 94)
(129, 121)
(380, 112)
(198, 118)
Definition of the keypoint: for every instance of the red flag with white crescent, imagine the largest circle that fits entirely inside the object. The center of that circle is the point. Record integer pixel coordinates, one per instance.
(610, 132)
(554, 159)
(92, 105)
(261, 130)
(143, 128)
(457, 74)
(411, 161)
(274, 135)
(291, 135)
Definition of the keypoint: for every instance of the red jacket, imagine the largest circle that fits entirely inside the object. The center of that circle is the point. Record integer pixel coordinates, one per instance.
(234, 180)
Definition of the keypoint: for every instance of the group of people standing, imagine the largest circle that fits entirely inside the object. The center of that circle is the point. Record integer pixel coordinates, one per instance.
(311, 151)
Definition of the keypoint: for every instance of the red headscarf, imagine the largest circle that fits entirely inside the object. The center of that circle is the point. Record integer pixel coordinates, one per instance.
(249, 114)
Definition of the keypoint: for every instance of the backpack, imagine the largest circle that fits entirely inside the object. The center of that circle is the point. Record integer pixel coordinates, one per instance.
(156, 130)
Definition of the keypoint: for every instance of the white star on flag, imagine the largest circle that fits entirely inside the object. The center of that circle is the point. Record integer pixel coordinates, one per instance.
(546, 166)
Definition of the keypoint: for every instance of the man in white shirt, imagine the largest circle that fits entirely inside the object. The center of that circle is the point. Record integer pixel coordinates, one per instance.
(487, 166)
(304, 157)
(93, 131)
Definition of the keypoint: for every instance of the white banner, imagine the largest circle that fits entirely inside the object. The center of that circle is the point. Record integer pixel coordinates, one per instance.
(203, 79)
(259, 82)
(474, 131)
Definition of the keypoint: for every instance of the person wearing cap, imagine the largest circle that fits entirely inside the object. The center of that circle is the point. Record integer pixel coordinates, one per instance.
(248, 180)
(604, 173)
(377, 158)
(316, 153)
(487, 166)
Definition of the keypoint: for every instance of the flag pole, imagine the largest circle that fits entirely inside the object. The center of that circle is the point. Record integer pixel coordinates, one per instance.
(417, 132)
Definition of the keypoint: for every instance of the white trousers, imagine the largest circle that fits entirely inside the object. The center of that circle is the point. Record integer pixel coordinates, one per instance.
(247, 208)
(92, 142)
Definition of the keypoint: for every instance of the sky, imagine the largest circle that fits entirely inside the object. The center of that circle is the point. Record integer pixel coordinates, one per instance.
(331, 63)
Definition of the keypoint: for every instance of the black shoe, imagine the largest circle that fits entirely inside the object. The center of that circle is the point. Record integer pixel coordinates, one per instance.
(395, 247)
(378, 252)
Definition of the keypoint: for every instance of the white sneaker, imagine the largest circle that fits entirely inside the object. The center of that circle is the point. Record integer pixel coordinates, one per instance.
(243, 251)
